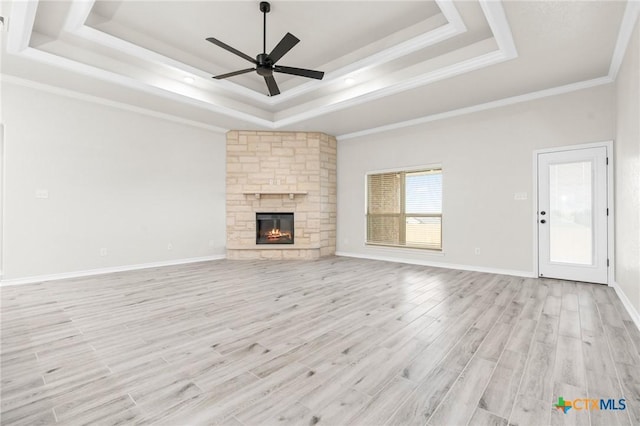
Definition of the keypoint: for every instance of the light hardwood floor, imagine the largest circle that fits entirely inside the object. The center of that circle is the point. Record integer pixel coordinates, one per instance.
(330, 342)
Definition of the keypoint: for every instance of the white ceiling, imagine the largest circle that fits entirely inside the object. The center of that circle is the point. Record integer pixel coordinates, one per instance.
(410, 60)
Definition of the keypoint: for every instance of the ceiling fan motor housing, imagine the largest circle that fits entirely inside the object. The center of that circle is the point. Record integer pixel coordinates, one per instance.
(265, 64)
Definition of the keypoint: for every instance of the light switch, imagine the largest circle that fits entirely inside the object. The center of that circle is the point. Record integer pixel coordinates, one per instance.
(520, 196)
(42, 193)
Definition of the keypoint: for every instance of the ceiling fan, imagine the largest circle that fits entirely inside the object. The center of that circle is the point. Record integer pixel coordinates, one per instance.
(265, 64)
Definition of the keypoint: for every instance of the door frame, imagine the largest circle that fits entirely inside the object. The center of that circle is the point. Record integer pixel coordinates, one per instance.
(610, 219)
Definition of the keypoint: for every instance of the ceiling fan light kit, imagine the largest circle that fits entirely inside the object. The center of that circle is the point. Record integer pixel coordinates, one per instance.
(266, 64)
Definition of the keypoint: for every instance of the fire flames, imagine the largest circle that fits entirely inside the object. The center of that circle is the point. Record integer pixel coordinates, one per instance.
(276, 234)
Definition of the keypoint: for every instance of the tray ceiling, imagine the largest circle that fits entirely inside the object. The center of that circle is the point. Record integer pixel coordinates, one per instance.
(385, 62)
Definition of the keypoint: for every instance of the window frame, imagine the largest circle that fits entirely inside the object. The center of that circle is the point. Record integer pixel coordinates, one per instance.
(403, 214)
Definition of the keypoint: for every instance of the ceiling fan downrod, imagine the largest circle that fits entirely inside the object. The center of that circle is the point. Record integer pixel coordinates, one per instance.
(265, 8)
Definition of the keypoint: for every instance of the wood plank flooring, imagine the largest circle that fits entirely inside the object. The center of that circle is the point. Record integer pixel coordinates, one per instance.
(331, 342)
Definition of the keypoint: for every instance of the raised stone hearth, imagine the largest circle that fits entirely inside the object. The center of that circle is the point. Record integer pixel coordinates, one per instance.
(281, 172)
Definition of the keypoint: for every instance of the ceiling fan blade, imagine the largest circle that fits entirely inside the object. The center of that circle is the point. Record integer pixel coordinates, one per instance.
(272, 85)
(285, 45)
(300, 71)
(231, 74)
(231, 49)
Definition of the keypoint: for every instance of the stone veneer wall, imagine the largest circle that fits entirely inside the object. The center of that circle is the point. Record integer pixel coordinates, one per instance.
(280, 162)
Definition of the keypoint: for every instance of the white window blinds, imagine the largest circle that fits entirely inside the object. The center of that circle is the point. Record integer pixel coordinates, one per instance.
(404, 208)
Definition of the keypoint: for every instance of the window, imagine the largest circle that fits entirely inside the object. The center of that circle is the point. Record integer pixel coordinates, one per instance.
(404, 208)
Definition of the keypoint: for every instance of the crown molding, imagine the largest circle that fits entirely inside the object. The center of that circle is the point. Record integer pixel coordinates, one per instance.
(497, 19)
(17, 81)
(501, 30)
(58, 61)
(418, 81)
(481, 107)
(455, 26)
(451, 14)
(402, 49)
(89, 33)
(80, 10)
(23, 15)
(629, 19)
(78, 14)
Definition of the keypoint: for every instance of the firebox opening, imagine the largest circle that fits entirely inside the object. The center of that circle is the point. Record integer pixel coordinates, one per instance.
(274, 228)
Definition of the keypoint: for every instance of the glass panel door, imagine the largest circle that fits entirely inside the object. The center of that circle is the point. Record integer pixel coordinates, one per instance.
(572, 215)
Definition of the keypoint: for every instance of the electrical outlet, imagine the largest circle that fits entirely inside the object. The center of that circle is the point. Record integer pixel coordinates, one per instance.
(169, 246)
(477, 250)
(42, 193)
(103, 251)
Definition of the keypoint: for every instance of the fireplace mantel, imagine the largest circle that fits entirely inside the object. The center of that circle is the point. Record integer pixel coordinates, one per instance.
(291, 194)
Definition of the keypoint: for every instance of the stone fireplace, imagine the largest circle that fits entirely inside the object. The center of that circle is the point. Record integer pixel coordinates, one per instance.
(281, 195)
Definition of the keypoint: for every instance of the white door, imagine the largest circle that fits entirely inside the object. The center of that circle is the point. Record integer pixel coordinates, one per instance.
(572, 215)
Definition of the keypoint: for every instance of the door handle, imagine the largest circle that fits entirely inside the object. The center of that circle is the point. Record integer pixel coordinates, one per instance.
(543, 213)
(543, 221)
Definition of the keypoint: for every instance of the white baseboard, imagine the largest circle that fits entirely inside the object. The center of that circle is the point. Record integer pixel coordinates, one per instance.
(633, 313)
(100, 271)
(526, 274)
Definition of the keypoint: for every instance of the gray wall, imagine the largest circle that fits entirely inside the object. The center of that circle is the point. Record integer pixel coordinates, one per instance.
(116, 179)
(627, 153)
(486, 158)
